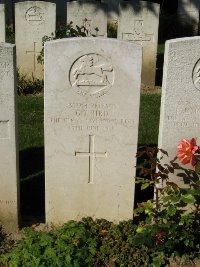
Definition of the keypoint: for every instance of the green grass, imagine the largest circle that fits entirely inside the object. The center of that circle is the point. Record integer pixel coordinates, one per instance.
(31, 129)
(149, 119)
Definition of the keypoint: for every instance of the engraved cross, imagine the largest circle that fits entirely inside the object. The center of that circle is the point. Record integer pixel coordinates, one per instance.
(34, 54)
(92, 155)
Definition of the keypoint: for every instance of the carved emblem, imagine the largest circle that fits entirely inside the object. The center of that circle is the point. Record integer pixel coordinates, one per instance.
(92, 75)
(138, 33)
(34, 15)
(196, 75)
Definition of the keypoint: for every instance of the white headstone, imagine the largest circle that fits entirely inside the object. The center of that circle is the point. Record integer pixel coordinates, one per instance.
(188, 13)
(91, 15)
(9, 191)
(180, 105)
(91, 128)
(2, 23)
(138, 22)
(113, 9)
(33, 20)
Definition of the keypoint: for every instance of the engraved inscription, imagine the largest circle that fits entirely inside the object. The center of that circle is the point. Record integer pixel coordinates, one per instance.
(92, 155)
(7, 202)
(93, 117)
(92, 75)
(4, 130)
(5, 69)
(35, 53)
(196, 75)
(34, 15)
(185, 116)
(138, 33)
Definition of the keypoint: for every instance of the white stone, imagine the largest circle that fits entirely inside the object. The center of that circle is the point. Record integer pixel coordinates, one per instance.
(188, 13)
(113, 9)
(180, 105)
(9, 188)
(33, 20)
(2, 23)
(91, 15)
(91, 127)
(138, 22)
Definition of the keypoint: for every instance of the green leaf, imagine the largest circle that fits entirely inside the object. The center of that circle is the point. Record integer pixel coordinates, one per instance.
(171, 210)
(189, 199)
(156, 262)
(144, 186)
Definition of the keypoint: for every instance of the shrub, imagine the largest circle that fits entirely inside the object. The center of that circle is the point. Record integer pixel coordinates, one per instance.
(62, 32)
(27, 86)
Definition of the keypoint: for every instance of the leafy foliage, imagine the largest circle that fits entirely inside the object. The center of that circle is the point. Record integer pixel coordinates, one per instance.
(26, 86)
(62, 32)
(172, 221)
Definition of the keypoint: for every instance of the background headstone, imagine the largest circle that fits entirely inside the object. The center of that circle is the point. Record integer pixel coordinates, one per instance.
(188, 14)
(138, 22)
(9, 187)
(180, 105)
(91, 15)
(2, 23)
(91, 128)
(33, 20)
(113, 9)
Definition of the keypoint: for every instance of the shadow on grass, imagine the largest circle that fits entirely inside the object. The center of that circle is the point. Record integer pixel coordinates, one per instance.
(32, 186)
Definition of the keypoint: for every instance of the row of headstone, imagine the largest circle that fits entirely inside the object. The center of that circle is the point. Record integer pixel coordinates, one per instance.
(91, 125)
(2, 23)
(35, 19)
(91, 130)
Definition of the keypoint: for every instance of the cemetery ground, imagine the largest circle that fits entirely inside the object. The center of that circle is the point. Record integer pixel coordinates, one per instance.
(88, 242)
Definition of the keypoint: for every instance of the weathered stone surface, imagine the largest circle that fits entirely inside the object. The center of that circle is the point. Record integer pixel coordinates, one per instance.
(138, 22)
(188, 14)
(9, 188)
(180, 106)
(91, 128)
(91, 15)
(2, 23)
(33, 20)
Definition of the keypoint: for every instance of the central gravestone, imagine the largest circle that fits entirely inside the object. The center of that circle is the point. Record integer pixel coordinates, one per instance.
(91, 128)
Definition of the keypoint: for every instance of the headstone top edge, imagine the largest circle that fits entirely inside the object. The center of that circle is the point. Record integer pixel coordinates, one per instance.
(94, 39)
(177, 40)
(87, 2)
(2, 44)
(141, 3)
(35, 3)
